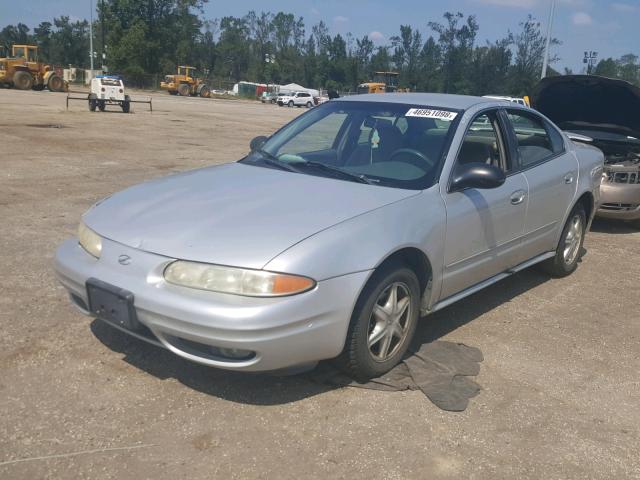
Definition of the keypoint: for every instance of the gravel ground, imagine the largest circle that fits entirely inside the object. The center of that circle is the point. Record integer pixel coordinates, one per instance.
(78, 399)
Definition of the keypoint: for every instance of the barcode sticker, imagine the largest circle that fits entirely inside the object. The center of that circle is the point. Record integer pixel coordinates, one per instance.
(429, 113)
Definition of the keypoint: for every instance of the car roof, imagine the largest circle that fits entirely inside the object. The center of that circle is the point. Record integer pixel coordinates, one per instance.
(444, 100)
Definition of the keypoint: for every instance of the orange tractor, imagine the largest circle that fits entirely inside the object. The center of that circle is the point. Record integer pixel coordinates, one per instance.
(23, 71)
(185, 84)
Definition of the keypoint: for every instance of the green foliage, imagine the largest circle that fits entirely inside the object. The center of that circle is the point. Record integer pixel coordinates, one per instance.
(146, 38)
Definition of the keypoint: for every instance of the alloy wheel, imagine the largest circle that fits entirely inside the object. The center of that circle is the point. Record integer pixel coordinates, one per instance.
(573, 240)
(390, 321)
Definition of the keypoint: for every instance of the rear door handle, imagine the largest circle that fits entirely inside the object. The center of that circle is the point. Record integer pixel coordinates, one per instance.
(568, 178)
(517, 197)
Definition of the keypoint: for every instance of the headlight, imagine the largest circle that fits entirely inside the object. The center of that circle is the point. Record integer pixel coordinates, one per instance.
(89, 240)
(254, 283)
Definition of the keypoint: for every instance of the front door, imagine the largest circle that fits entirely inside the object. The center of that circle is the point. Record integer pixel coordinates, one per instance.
(484, 226)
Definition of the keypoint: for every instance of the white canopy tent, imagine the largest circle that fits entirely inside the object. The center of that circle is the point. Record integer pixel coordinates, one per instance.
(294, 87)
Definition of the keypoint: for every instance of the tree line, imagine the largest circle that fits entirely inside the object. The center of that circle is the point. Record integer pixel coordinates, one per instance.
(144, 38)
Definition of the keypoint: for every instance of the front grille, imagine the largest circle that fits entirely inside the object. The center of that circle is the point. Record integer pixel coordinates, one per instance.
(619, 207)
(623, 177)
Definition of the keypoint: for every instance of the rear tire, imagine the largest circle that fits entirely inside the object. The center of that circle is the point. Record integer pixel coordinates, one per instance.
(92, 105)
(184, 90)
(101, 105)
(383, 323)
(22, 80)
(55, 83)
(290, 103)
(126, 105)
(309, 104)
(569, 250)
(173, 92)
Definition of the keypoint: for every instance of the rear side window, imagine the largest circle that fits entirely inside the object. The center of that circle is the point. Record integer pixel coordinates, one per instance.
(557, 142)
(534, 142)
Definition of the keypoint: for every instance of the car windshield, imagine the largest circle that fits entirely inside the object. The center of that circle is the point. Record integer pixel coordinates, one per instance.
(387, 144)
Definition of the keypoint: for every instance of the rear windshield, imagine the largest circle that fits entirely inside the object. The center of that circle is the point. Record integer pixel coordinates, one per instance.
(110, 82)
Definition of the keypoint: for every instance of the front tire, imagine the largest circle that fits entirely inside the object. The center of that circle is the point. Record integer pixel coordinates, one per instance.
(55, 83)
(383, 323)
(569, 249)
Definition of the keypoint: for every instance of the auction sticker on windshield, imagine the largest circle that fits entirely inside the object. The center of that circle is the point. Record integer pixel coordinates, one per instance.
(429, 113)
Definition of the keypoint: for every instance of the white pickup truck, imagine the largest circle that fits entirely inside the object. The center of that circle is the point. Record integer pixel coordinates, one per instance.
(108, 90)
(298, 99)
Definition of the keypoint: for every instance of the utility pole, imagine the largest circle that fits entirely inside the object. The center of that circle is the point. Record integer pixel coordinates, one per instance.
(103, 53)
(545, 61)
(91, 34)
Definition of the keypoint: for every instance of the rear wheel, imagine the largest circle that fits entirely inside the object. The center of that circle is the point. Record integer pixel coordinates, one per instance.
(173, 92)
(290, 103)
(383, 323)
(126, 105)
(184, 90)
(22, 80)
(309, 104)
(569, 249)
(55, 83)
(101, 105)
(92, 105)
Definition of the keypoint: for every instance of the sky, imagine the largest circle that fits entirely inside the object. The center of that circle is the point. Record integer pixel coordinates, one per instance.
(610, 28)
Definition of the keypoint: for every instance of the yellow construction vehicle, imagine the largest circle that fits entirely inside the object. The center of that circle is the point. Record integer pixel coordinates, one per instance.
(23, 71)
(383, 82)
(185, 84)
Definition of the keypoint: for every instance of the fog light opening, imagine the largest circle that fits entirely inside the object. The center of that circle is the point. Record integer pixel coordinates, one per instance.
(232, 353)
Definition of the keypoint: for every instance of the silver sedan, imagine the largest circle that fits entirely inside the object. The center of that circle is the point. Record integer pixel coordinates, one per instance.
(337, 233)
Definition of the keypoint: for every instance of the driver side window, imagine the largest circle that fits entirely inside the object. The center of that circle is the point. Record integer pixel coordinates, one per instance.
(483, 142)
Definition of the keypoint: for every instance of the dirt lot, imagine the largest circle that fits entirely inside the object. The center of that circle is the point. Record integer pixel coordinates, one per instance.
(78, 399)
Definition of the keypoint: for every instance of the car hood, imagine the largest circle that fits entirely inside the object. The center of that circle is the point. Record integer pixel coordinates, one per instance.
(589, 103)
(233, 214)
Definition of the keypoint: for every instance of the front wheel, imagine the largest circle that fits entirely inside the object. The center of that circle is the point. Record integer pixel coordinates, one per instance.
(309, 104)
(383, 323)
(569, 249)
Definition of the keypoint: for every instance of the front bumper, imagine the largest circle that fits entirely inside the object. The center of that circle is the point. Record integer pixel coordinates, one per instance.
(282, 332)
(619, 201)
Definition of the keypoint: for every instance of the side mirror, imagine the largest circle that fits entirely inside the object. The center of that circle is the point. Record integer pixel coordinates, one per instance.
(258, 142)
(477, 175)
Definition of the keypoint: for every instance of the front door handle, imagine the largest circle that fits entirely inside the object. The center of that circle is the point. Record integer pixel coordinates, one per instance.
(568, 178)
(517, 197)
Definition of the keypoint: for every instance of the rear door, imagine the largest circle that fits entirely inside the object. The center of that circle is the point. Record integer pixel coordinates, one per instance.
(552, 175)
(484, 226)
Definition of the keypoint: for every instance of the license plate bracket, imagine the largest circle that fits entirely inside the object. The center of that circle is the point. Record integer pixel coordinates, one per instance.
(111, 303)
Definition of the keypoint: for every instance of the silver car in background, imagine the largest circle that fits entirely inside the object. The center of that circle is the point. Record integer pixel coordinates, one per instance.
(335, 234)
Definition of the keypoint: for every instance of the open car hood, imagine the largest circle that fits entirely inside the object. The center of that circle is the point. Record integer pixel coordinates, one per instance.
(589, 103)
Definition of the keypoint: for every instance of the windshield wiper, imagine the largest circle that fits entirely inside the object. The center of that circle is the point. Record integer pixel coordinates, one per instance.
(354, 177)
(274, 161)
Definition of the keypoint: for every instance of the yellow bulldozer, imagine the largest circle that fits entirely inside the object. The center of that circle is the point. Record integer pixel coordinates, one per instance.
(23, 71)
(185, 84)
(383, 82)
